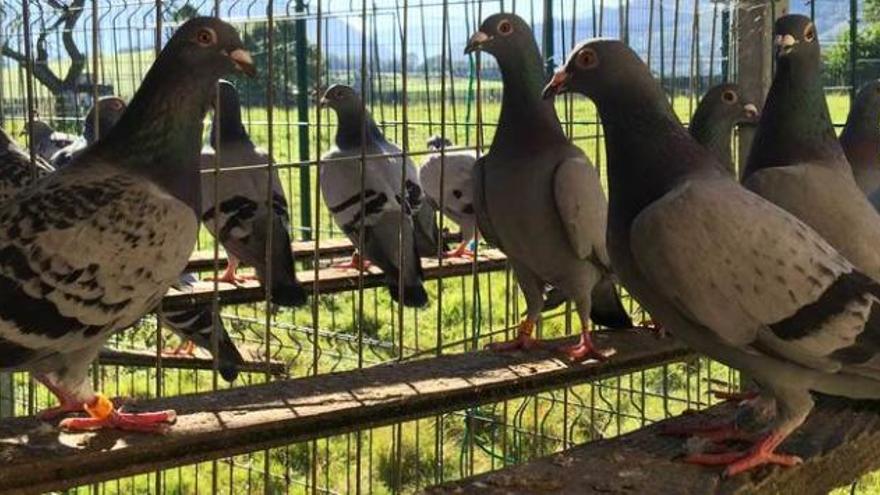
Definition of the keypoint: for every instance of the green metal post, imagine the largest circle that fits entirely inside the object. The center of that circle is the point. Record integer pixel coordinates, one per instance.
(302, 106)
(548, 36)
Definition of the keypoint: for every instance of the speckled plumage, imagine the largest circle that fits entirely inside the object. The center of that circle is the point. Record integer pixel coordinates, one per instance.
(458, 191)
(16, 170)
(93, 247)
(109, 109)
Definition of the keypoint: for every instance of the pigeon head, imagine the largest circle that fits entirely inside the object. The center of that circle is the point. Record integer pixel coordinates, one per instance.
(865, 109)
(503, 35)
(228, 118)
(724, 105)
(438, 142)
(211, 45)
(605, 71)
(38, 130)
(797, 41)
(341, 98)
(109, 110)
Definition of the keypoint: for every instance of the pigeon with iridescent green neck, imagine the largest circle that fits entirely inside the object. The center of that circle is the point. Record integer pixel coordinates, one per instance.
(538, 198)
(796, 160)
(861, 139)
(720, 110)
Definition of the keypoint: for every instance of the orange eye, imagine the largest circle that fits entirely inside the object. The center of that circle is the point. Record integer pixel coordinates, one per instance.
(810, 32)
(587, 59)
(206, 37)
(505, 27)
(729, 97)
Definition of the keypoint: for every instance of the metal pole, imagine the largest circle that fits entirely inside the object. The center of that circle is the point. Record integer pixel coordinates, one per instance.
(853, 46)
(548, 36)
(302, 108)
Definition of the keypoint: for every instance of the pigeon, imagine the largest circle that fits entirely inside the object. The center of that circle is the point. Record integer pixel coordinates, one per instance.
(47, 141)
(381, 198)
(109, 109)
(16, 170)
(195, 326)
(538, 198)
(90, 249)
(726, 271)
(458, 191)
(244, 217)
(860, 139)
(720, 109)
(796, 160)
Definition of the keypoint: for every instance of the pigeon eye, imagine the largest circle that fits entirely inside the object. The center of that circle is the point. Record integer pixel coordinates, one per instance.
(206, 37)
(587, 59)
(810, 33)
(505, 27)
(729, 97)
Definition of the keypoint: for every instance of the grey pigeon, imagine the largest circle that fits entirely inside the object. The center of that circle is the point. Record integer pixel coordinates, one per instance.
(796, 160)
(538, 198)
(90, 249)
(382, 198)
(729, 273)
(109, 109)
(16, 171)
(860, 139)
(244, 217)
(47, 141)
(456, 168)
(720, 109)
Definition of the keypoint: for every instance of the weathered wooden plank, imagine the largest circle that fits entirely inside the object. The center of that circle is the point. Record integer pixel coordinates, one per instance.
(37, 458)
(201, 360)
(330, 280)
(838, 444)
(203, 260)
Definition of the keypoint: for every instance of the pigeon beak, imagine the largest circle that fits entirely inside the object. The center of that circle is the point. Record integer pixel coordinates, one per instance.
(476, 42)
(784, 44)
(323, 102)
(557, 85)
(243, 61)
(751, 112)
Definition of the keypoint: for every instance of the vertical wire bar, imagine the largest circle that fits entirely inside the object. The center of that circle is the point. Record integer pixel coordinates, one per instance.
(361, 200)
(301, 25)
(270, 231)
(302, 103)
(215, 299)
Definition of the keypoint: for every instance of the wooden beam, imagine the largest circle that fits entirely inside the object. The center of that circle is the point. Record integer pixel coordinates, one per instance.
(330, 280)
(838, 444)
(229, 422)
(203, 260)
(201, 360)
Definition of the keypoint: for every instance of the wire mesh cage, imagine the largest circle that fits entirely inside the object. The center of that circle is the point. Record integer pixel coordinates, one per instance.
(405, 57)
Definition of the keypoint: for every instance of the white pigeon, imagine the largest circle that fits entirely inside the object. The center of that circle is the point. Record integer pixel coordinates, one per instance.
(456, 168)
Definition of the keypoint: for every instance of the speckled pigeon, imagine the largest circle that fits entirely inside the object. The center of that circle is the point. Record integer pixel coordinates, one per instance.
(537, 196)
(16, 170)
(90, 249)
(720, 109)
(861, 139)
(108, 109)
(242, 225)
(47, 141)
(456, 167)
(382, 198)
(729, 273)
(796, 160)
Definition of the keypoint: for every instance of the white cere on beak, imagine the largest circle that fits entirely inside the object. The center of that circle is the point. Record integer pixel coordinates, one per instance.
(785, 41)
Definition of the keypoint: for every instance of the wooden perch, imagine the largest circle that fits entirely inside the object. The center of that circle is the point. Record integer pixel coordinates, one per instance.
(253, 360)
(838, 444)
(37, 458)
(203, 260)
(330, 280)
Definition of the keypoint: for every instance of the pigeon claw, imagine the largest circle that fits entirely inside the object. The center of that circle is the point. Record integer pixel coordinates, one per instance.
(735, 396)
(461, 251)
(103, 415)
(585, 350)
(229, 276)
(523, 341)
(355, 263)
(760, 454)
(187, 348)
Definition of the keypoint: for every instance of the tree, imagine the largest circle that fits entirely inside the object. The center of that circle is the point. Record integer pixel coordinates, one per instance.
(867, 42)
(64, 88)
(284, 61)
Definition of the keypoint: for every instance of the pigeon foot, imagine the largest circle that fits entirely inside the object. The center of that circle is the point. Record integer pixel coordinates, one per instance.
(103, 415)
(187, 348)
(761, 453)
(735, 396)
(228, 275)
(462, 251)
(523, 341)
(584, 350)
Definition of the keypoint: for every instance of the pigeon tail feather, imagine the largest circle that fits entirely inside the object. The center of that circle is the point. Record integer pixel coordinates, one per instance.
(607, 309)
(414, 296)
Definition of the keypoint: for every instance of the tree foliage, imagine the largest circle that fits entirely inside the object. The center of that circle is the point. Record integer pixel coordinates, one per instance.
(867, 42)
